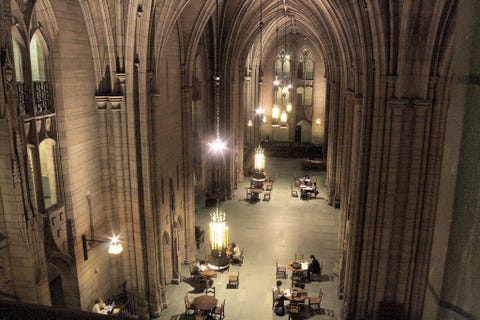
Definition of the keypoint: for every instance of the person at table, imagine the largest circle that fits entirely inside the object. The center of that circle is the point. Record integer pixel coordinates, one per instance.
(230, 250)
(99, 306)
(235, 253)
(314, 267)
(279, 296)
(314, 188)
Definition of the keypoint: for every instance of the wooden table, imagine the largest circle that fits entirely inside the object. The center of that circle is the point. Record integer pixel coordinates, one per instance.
(256, 192)
(205, 302)
(302, 294)
(303, 266)
(208, 273)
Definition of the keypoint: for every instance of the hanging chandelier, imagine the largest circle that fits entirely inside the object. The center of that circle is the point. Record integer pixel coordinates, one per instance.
(259, 159)
(218, 259)
(217, 145)
(282, 86)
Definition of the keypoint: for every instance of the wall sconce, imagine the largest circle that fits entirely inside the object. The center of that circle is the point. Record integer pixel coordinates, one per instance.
(318, 121)
(250, 123)
(114, 248)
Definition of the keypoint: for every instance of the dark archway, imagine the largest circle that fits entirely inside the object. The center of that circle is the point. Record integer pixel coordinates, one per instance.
(55, 285)
(298, 133)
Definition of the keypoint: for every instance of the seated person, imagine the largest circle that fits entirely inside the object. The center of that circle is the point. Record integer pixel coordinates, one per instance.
(314, 188)
(99, 306)
(230, 250)
(314, 267)
(236, 255)
(279, 296)
(195, 270)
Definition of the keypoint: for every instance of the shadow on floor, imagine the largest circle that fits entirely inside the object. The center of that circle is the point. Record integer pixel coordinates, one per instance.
(198, 285)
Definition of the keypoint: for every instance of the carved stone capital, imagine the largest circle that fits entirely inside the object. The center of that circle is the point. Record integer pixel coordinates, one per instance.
(101, 102)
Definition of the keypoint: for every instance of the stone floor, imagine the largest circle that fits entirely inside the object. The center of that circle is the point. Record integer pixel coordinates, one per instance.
(269, 231)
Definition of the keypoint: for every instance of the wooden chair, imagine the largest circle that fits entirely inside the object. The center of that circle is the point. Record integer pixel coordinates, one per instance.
(234, 280)
(268, 186)
(189, 307)
(270, 177)
(314, 302)
(298, 257)
(273, 299)
(210, 291)
(194, 271)
(315, 277)
(281, 271)
(219, 312)
(297, 281)
(266, 195)
(294, 191)
(248, 195)
(293, 311)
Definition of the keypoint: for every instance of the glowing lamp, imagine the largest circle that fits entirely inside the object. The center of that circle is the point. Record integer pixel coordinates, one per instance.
(259, 159)
(217, 145)
(289, 106)
(283, 117)
(218, 230)
(275, 112)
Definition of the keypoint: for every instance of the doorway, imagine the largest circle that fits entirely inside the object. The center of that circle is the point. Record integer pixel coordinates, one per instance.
(298, 133)
(55, 285)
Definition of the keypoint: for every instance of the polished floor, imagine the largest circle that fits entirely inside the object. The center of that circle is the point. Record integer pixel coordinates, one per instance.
(269, 231)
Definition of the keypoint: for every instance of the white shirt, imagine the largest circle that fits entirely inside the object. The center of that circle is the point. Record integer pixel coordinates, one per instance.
(99, 308)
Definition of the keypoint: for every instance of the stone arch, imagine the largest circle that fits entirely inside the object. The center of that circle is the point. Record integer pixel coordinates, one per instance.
(61, 271)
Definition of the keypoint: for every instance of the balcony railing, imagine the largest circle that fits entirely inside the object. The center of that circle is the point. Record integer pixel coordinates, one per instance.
(22, 98)
(40, 96)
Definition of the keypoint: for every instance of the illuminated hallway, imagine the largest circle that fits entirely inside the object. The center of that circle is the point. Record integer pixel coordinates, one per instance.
(125, 118)
(271, 231)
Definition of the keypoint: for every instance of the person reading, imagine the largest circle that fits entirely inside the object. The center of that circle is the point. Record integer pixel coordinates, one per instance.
(99, 306)
(314, 267)
(234, 253)
(279, 296)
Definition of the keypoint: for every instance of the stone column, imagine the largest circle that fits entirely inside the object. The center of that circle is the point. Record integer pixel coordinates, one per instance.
(332, 141)
(345, 167)
(188, 193)
(417, 230)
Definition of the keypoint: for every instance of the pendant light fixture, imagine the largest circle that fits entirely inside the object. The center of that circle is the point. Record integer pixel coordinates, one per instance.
(218, 145)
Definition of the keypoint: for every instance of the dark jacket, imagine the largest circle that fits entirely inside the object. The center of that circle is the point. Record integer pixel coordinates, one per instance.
(314, 267)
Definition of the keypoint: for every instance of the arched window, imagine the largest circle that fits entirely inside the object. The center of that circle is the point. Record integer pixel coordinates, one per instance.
(39, 77)
(18, 61)
(300, 70)
(278, 67)
(300, 95)
(48, 172)
(37, 59)
(309, 69)
(17, 56)
(286, 67)
(308, 96)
